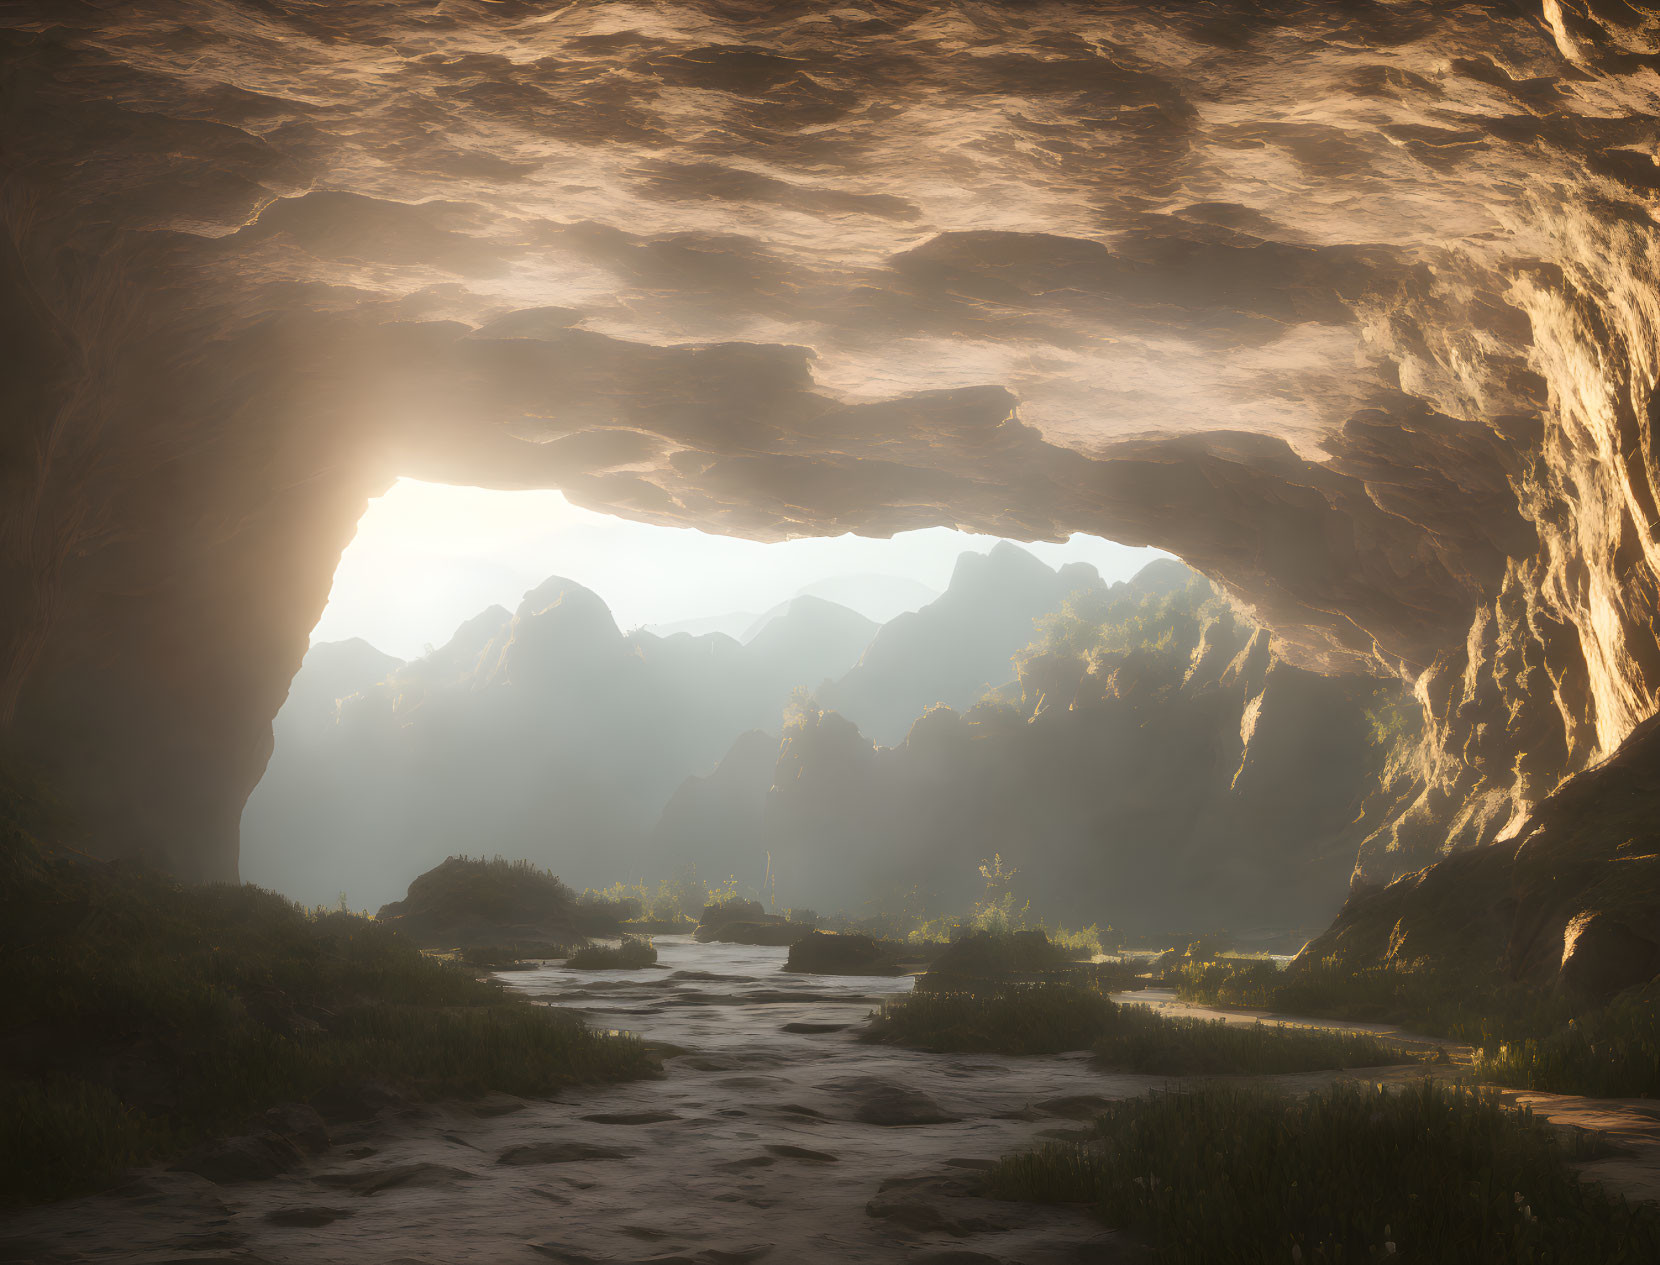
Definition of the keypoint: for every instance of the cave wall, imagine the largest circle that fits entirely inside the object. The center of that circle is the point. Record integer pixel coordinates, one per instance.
(1352, 307)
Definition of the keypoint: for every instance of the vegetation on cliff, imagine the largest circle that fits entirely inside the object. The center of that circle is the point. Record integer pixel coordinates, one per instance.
(1155, 766)
(1543, 951)
(1435, 1174)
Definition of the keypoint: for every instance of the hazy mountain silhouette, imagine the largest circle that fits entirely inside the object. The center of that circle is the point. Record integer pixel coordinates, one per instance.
(546, 733)
(332, 670)
(958, 646)
(1163, 771)
(876, 596)
(1145, 742)
(733, 624)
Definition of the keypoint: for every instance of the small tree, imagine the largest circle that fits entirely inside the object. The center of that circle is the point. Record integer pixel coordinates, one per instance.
(997, 912)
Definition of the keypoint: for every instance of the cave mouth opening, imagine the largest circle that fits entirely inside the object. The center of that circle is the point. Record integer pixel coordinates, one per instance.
(446, 591)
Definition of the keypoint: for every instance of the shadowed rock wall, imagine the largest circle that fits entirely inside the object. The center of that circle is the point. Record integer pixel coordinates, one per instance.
(1352, 307)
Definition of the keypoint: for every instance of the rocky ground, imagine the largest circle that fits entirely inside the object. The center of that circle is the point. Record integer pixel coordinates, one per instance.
(776, 1135)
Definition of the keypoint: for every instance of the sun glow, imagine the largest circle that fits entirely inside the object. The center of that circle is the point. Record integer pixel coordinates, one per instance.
(428, 556)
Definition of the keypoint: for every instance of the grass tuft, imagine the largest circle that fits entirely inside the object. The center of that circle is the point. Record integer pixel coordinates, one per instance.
(1525, 1037)
(1434, 1174)
(1140, 1040)
(1007, 1019)
(1610, 1053)
(1051, 1018)
(633, 954)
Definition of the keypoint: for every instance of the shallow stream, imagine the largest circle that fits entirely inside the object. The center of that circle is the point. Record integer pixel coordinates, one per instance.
(776, 1137)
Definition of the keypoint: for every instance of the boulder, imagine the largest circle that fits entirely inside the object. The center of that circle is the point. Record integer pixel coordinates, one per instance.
(986, 955)
(249, 1158)
(1602, 956)
(470, 902)
(745, 922)
(559, 1153)
(886, 1103)
(843, 953)
(395, 1176)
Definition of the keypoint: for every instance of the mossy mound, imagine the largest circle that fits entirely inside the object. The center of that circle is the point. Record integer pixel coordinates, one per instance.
(999, 956)
(746, 922)
(467, 902)
(845, 953)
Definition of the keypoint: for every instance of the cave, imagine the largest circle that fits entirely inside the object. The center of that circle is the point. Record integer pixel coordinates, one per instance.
(1386, 376)
(1354, 308)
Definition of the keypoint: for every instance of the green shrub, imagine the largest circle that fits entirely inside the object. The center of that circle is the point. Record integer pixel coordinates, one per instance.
(1008, 1019)
(1610, 1053)
(1524, 1036)
(633, 954)
(991, 955)
(1115, 975)
(1050, 1018)
(61, 1134)
(1079, 945)
(1140, 1040)
(1430, 1174)
(1253, 984)
(499, 956)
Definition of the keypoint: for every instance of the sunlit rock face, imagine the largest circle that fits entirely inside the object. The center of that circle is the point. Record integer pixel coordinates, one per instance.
(1353, 307)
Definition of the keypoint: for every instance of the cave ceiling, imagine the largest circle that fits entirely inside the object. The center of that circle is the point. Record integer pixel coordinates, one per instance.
(1350, 305)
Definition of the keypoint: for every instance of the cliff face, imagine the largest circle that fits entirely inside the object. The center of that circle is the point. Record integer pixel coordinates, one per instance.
(1184, 779)
(1353, 307)
(958, 646)
(1572, 903)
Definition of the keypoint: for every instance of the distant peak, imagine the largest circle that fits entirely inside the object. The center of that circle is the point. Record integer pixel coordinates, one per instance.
(1164, 575)
(351, 646)
(556, 590)
(491, 618)
(1003, 559)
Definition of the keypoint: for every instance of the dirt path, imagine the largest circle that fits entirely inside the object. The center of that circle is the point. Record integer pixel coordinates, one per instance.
(1632, 1125)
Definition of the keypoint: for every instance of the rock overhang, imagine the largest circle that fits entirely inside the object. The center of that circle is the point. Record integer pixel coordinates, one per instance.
(1351, 307)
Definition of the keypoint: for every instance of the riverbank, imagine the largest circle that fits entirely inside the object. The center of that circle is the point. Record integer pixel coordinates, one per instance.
(773, 1133)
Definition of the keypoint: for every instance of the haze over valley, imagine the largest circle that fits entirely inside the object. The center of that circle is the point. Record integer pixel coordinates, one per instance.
(549, 733)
